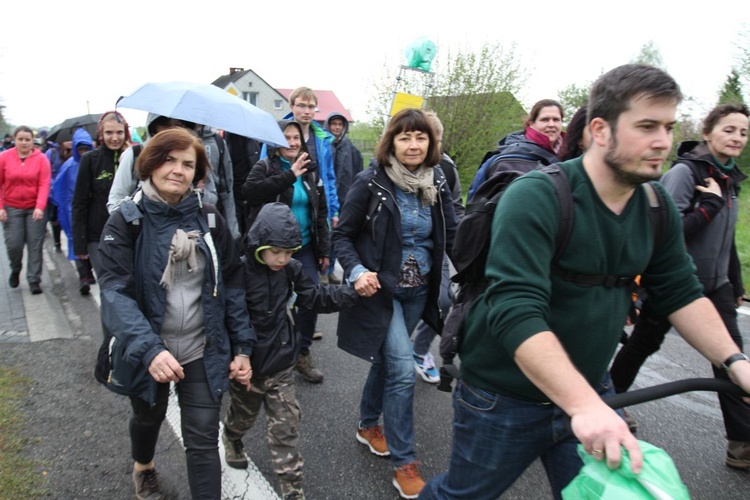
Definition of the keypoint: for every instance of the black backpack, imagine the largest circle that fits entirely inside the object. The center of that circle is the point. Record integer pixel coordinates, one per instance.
(472, 244)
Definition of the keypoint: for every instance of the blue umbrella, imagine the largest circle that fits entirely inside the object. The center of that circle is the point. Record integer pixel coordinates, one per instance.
(207, 105)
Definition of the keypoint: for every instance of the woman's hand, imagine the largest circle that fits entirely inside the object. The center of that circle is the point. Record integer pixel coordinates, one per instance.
(164, 368)
(3, 215)
(241, 371)
(367, 284)
(300, 164)
(711, 187)
(323, 264)
(38, 214)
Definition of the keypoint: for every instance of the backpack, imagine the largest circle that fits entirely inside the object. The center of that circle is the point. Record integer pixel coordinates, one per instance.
(472, 244)
(489, 161)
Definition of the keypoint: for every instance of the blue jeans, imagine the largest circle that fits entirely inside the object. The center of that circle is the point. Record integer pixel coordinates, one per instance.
(495, 438)
(390, 384)
(425, 333)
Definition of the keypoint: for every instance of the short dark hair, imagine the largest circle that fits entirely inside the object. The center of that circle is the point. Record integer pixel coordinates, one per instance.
(613, 93)
(539, 105)
(157, 149)
(407, 120)
(720, 112)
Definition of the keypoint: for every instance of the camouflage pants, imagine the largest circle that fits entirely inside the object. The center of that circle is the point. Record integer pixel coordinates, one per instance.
(276, 392)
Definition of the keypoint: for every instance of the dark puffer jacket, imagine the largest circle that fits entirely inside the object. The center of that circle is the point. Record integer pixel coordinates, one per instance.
(270, 293)
(515, 152)
(369, 234)
(133, 301)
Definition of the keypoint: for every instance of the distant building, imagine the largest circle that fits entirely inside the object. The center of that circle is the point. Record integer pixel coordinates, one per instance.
(250, 87)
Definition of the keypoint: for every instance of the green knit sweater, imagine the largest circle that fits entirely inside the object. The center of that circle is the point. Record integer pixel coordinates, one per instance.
(524, 299)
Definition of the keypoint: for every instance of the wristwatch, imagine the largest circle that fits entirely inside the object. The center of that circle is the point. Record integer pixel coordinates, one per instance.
(731, 359)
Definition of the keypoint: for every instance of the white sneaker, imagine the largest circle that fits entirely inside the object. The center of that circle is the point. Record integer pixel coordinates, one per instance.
(425, 368)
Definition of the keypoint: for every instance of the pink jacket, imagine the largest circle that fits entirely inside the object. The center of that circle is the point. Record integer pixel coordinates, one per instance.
(24, 185)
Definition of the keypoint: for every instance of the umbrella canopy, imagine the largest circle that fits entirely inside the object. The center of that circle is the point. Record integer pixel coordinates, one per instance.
(64, 131)
(206, 104)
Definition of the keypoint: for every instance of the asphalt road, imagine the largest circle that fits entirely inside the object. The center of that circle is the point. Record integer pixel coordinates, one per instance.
(78, 430)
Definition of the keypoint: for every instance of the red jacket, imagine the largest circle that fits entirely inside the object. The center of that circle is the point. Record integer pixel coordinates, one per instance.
(24, 185)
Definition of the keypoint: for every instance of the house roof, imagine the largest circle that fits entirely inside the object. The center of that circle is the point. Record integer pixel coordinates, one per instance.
(224, 80)
(327, 104)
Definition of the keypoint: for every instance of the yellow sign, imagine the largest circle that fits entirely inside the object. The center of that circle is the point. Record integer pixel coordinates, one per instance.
(406, 101)
(233, 90)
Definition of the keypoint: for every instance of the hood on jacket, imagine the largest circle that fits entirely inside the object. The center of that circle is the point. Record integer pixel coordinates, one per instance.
(275, 226)
(336, 114)
(81, 138)
(698, 151)
(283, 124)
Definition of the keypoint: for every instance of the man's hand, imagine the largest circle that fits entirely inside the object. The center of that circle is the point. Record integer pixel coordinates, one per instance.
(602, 431)
(739, 373)
(38, 214)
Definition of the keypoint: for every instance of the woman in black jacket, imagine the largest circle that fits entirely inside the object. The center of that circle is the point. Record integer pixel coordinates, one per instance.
(395, 227)
(95, 174)
(287, 175)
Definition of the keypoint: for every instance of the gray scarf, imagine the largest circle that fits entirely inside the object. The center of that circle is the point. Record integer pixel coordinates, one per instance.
(183, 245)
(421, 181)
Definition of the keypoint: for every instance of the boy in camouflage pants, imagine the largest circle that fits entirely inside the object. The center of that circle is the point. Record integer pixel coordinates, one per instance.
(275, 287)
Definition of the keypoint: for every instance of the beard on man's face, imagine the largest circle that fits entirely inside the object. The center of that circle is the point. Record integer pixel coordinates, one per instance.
(616, 163)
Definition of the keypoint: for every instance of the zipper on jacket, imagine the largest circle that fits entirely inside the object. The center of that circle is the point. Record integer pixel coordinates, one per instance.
(214, 258)
(380, 206)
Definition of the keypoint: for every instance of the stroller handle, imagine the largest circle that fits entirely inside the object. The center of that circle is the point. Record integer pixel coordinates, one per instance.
(670, 389)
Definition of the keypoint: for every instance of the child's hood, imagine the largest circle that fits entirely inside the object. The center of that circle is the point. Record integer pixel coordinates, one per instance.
(275, 226)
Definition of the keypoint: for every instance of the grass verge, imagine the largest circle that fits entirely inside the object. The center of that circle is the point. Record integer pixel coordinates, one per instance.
(18, 478)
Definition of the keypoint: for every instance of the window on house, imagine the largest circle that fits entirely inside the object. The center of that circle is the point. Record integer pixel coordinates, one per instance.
(278, 104)
(251, 97)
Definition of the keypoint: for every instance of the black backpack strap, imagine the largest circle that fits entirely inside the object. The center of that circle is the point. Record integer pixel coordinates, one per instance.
(658, 219)
(657, 212)
(565, 199)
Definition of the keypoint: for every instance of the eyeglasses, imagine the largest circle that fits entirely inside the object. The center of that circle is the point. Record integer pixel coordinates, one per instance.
(310, 107)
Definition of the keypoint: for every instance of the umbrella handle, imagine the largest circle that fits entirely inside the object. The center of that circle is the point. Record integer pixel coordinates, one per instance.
(669, 389)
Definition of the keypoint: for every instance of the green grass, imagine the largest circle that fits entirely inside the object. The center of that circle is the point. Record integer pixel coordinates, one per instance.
(742, 235)
(18, 478)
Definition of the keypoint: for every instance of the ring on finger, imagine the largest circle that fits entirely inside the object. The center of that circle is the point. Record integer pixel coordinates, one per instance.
(596, 452)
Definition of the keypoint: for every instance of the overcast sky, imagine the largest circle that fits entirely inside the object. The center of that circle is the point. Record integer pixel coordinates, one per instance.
(62, 59)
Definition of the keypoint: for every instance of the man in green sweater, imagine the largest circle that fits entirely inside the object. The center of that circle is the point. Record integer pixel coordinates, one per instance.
(537, 347)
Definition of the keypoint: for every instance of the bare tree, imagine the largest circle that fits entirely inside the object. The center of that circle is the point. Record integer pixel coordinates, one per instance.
(474, 98)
